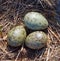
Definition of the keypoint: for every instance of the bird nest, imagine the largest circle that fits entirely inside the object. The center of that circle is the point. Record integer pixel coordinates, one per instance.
(12, 13)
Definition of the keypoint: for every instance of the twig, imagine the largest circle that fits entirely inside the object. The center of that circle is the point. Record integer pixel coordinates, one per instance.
(50, 4)
(41, 3)
(3, 50)
(4, 38)
(54, 34)
(19, 53)
(49, 40)
(5, 14)
(48, 55)
(5, 26)
(5, 2)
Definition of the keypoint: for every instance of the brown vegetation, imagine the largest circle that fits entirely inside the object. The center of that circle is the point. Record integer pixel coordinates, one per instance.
(11, 14)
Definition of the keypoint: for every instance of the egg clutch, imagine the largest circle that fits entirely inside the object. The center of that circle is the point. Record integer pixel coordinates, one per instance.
(35, 40)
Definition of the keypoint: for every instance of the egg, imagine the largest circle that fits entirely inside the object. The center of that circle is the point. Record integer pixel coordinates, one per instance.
(35, 21)
(36, 40)
(16, 36)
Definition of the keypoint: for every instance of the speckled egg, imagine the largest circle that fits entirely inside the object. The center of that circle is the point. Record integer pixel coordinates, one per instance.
(35, 21)
(16, 36)
(36, 40)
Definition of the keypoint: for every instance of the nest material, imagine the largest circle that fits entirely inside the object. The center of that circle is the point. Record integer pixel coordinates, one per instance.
(12, 13)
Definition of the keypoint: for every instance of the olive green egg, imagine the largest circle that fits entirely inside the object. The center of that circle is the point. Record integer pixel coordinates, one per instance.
(16, 36)
(36, 40)
(35, 21)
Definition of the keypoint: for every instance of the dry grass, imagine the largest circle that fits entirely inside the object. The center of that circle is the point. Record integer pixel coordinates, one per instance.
(11, 14)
